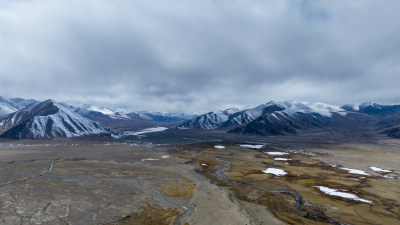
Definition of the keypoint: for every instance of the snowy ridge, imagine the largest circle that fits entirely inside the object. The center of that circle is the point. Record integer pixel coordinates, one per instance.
(272, 111)
(248, 115)
(49, 119)
(97, 113)
(291, 108)
(6, 109)
(8, 106)
(209, 120)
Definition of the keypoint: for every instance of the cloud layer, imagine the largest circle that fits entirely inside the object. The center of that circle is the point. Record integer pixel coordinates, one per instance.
(196, 56)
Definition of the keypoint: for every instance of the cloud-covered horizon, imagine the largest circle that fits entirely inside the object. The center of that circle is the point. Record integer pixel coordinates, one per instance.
(197, 56)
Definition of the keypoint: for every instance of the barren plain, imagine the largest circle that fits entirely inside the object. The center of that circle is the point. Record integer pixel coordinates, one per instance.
(259, 181)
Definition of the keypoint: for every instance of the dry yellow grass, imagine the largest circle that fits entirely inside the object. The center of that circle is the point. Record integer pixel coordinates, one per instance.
(148, 215)
(305, 172)
(177, 190)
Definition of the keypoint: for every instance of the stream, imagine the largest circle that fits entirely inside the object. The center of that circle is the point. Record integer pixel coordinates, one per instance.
(297, 196)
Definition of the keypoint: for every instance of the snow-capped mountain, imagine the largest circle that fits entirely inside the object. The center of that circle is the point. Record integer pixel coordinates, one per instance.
(101, 113)
(6, 107)
(21, 103)
(210, 120)
(287, 117)
(48, 119)
(291, 117)
(164, 117)
(278, 111)
(281, 122)
(97, 111)
(22, 118)
(378, 110)
(125, 120)
(11, 105)
(388, 115)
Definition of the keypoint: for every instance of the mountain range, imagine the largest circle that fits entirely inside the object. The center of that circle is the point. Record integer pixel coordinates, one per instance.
(21, 118)
(288, 117)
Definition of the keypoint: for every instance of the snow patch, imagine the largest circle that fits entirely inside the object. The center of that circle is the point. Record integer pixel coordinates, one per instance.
(116, 136)
(379, 170)
(276, 172)
(219, 146)
(147, 130)
(149, 159)
(355, 171)
(282, 159)
(252, 146)
(335, 192)
(277, 153)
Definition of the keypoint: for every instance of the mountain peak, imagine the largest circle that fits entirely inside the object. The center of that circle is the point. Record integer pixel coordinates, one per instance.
(48, 119)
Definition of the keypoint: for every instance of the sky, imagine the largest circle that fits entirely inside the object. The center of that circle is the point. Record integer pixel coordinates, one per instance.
(196, 56)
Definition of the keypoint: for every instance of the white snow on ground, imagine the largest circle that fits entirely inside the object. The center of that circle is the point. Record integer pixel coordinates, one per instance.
(276, 153)
(387, 176)
(149, 159)
(335, 192)
(148, 130)
(252, 146)
(219, 146)
(379, 170)
(116, 136)
(354, 171)
(282, 159)
(333, 165)
(203, 164)
(277, 172)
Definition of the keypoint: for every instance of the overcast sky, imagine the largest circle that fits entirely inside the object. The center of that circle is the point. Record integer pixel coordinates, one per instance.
(200, 55)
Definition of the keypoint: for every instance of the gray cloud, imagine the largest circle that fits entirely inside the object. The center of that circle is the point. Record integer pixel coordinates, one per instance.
(196, 56)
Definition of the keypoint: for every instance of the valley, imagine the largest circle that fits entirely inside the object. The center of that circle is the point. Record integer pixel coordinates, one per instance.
(199, 112)
(276, 163)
